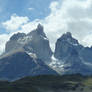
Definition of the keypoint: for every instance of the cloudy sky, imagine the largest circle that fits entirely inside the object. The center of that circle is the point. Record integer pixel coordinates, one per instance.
(57, 17)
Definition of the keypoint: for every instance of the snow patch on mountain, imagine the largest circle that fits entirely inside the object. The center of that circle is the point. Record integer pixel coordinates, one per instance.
(57, 64)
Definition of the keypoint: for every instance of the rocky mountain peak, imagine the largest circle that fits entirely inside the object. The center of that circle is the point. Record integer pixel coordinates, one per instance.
(40, 30)
(65, 46)
(67, 37)
(33, 42)
(40, 27)
(17, 36)
(74, 57)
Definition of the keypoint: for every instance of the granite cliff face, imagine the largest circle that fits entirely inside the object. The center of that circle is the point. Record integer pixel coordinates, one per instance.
(71, 57)
(65, 46)
(33, 42)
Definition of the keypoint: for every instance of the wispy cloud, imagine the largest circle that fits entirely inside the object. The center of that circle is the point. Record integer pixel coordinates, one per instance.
(30, 9)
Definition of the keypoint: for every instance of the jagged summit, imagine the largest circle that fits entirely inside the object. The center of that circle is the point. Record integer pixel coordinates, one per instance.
(67, 37)
(33, 42)
(66, 45)
(67, 34)
(39, 31)
(72, 56)
(17, 36)
(40, 27)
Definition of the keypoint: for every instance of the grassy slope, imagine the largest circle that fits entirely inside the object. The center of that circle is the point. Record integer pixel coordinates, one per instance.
(67, 83)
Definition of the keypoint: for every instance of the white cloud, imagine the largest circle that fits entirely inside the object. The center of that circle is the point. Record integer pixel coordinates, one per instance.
(3, 39)
(88, 40)
(15, 23)
(54, 5)
(31, 9)
(70, 15)
(66, 15)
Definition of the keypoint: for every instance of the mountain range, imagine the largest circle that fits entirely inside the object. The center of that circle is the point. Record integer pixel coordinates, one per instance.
(30, 55)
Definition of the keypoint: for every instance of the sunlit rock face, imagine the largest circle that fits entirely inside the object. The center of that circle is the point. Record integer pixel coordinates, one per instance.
(33, 42)
(13, 43)
(39, 44)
